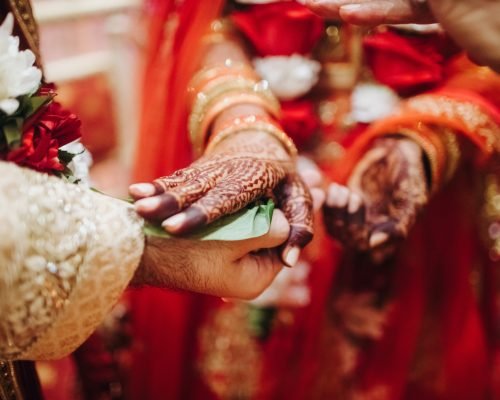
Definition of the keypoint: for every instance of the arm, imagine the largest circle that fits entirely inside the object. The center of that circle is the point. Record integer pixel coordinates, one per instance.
(68, 253)
(473, 24)
(398, 163)
(246, 155)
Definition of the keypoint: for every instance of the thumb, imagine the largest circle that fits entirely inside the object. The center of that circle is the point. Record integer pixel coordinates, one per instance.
(277, 235)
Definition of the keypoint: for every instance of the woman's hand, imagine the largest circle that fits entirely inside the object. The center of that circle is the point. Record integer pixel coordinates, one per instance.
(242, 168)
(386, 191)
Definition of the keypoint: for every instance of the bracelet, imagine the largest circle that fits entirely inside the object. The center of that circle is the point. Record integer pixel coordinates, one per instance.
(253, 123)
(433, 148)
(226, 93)
(206, 76)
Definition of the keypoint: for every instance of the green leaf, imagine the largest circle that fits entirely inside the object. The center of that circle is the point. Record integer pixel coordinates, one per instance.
(251, 222)
(36, 102)
(12, 131)
(65, 156)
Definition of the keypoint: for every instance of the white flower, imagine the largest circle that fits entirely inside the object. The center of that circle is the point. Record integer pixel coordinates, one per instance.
(18, 75)
(371, 102)
(289, 77)
(81, 163)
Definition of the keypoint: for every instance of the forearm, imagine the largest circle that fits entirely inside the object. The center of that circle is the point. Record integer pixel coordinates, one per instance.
(229, 87)
(67, 254)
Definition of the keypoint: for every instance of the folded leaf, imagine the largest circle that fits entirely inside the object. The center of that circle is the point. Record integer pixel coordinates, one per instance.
(248, 223)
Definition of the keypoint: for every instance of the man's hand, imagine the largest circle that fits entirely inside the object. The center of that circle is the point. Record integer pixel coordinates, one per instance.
(240, 269)
(473, 24)
(373, 12)
(386, 191)
(243, 168)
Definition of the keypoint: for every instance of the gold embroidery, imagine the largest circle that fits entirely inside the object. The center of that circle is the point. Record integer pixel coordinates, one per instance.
(470, 114)
(230, 360)
(492, 215)
(453, 153)
(9, 387)
(24, 17)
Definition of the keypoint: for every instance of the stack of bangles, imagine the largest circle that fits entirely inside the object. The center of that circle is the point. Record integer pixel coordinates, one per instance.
(215, 89)
(248, 123)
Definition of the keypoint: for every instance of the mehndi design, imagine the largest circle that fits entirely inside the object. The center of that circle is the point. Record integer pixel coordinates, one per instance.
(241, 169)
(386, 191)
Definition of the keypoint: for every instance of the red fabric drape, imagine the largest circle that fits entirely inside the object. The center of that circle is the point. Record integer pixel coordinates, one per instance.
(164, 321)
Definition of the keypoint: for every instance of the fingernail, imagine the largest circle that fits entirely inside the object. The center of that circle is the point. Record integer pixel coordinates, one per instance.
(378, 238)
(142, 189)
(175, 222)
(147, 205)
(332, 195)
(291, 256)
(351, 7)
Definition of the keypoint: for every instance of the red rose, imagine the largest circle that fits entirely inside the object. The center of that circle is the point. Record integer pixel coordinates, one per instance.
(280, 29)
(299, 121)
(42, 138)
(408, 63)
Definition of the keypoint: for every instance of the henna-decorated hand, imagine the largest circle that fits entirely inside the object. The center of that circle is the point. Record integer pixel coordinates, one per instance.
(241, 169)
(386, 191)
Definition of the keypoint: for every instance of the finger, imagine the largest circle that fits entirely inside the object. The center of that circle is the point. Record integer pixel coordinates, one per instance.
(163, 206)
(328, 9)
(141, 190)
(318, 197)
(345, 219)
(252, 274)
(384, 12)
(335, 210)
(309, 172)
(227, 198)
(295, 200)
(277, 235)
(183, 176)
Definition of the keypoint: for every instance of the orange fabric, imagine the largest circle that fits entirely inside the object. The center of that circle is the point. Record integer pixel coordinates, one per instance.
(173, 54)
(410, 118)
(164, 322)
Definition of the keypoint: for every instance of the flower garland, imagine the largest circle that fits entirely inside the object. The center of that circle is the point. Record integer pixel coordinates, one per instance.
(33, 127)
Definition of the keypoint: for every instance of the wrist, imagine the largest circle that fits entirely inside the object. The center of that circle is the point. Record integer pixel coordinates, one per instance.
(144, 272)
(240, 123)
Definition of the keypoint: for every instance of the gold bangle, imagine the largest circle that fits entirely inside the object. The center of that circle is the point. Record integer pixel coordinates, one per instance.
(206, 75)
(453, 153)
(227, 93)
(430, 151)
(251, 123)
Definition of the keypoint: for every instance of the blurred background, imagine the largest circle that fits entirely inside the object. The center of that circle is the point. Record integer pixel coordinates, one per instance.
(91, 49)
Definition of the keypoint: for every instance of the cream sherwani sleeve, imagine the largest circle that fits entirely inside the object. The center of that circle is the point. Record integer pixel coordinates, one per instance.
(66, 255)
